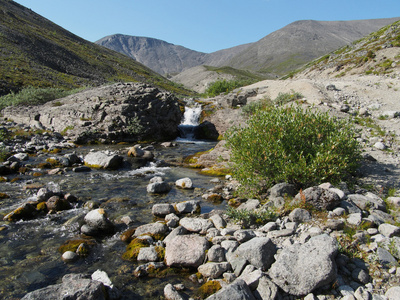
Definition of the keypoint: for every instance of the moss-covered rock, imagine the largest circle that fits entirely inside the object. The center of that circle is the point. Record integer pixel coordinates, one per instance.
(26, 211)
(132, 250)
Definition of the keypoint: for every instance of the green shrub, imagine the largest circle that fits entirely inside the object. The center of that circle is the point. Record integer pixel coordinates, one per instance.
(225, 86)
(294, 145)
(253, 107)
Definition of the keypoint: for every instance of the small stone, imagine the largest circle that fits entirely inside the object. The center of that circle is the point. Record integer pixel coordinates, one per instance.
(380, 146)
(184, 183)
(69, 256)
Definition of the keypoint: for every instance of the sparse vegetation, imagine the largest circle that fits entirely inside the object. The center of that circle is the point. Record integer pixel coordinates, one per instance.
(225, 86)
(247, 218)
(272, 149)
(34, 96)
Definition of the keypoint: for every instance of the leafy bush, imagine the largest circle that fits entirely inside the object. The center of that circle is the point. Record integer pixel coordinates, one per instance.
(294, 145)
(34, 96)
(225, 86)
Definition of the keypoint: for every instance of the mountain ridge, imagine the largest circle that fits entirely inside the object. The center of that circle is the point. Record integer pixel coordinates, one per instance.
(279, 52)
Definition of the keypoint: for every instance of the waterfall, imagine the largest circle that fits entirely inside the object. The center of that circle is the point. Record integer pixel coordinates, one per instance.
(190, 120)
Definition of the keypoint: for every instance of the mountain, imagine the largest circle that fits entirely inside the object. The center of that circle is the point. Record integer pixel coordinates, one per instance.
(278, 53)
(36, 52)
(164, 57)
(297, 43)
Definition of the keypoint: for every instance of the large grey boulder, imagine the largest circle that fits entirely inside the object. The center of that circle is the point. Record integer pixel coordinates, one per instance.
(259, 251)
(112, 113)
(237, 290)
(76, 286)
(103, 160)
(186, 251)
(300, 269)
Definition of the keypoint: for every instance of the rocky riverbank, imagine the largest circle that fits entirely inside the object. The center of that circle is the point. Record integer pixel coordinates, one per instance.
(324, 242)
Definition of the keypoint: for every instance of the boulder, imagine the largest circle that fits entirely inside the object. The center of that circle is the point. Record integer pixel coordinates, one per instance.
(153, 229)
(259, 251)
(300, 269)
(186, 251)
(136, 151)
(147, 254)
(170, 293)
(299, 215)
(266, 289)
(319, 198)
(184, 183)
(237, 290)
(216, 254)
(393, 293)
(76, 286)
(103, 160)
(188, 207)
(218, 221)
(121, 112)
(162, 209)
(158, 188)
(25, 211)
(389, 230)
(214, 269)
(206, 131)
(197, 225)
(97, 222)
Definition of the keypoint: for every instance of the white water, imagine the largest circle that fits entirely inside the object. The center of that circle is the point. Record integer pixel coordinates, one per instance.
(191, 119)
(191, 115)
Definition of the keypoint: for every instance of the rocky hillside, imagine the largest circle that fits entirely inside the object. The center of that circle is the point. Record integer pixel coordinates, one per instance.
(377, 54)
(301, 41)
(279, 52)
(37, 52)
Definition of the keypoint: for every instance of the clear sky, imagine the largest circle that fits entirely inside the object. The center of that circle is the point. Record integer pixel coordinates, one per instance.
(206, 25)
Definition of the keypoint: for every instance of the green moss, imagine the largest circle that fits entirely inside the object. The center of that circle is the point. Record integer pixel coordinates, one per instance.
(132, 250)
(41, 206)
(215, 171)
(209, 288)
(72, 245)
(160, 252)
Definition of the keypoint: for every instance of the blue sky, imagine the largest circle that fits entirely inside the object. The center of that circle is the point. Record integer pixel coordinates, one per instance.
(207, 25)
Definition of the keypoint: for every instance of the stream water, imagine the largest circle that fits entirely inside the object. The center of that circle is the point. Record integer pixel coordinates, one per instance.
(29, 257)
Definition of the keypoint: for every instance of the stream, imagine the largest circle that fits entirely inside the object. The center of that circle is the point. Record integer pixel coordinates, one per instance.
(29, 257)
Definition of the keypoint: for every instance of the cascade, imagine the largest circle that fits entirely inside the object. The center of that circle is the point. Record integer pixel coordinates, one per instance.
(190, 120)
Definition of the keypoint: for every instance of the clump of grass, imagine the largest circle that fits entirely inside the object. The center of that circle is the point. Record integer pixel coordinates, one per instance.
(225, 86)
(247, 218)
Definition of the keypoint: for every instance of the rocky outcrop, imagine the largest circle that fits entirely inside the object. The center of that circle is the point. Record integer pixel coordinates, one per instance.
(119, 112)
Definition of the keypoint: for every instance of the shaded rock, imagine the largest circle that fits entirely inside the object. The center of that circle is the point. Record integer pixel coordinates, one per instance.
(243, 235)
(103, 160)
(299, 215)
(26, 211)
(214, 269)
(360, 275)
(300, 269)
(283, 190)
(55, 203)
(186, 251)
(259, 251)
(237, 290)
(206, 131)
(216, 254)
(369, 201)
(250, 204)
(136, 151)
(252, 278)
(319, 198)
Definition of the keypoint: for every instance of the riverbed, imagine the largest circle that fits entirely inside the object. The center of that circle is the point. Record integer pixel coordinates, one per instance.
(29, 249)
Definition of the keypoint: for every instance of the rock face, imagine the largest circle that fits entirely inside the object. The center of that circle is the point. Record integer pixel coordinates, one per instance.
(300, 269)
(119, 112)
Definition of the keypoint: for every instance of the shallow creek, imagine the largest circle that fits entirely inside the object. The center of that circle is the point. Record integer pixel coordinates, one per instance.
(29, 257)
